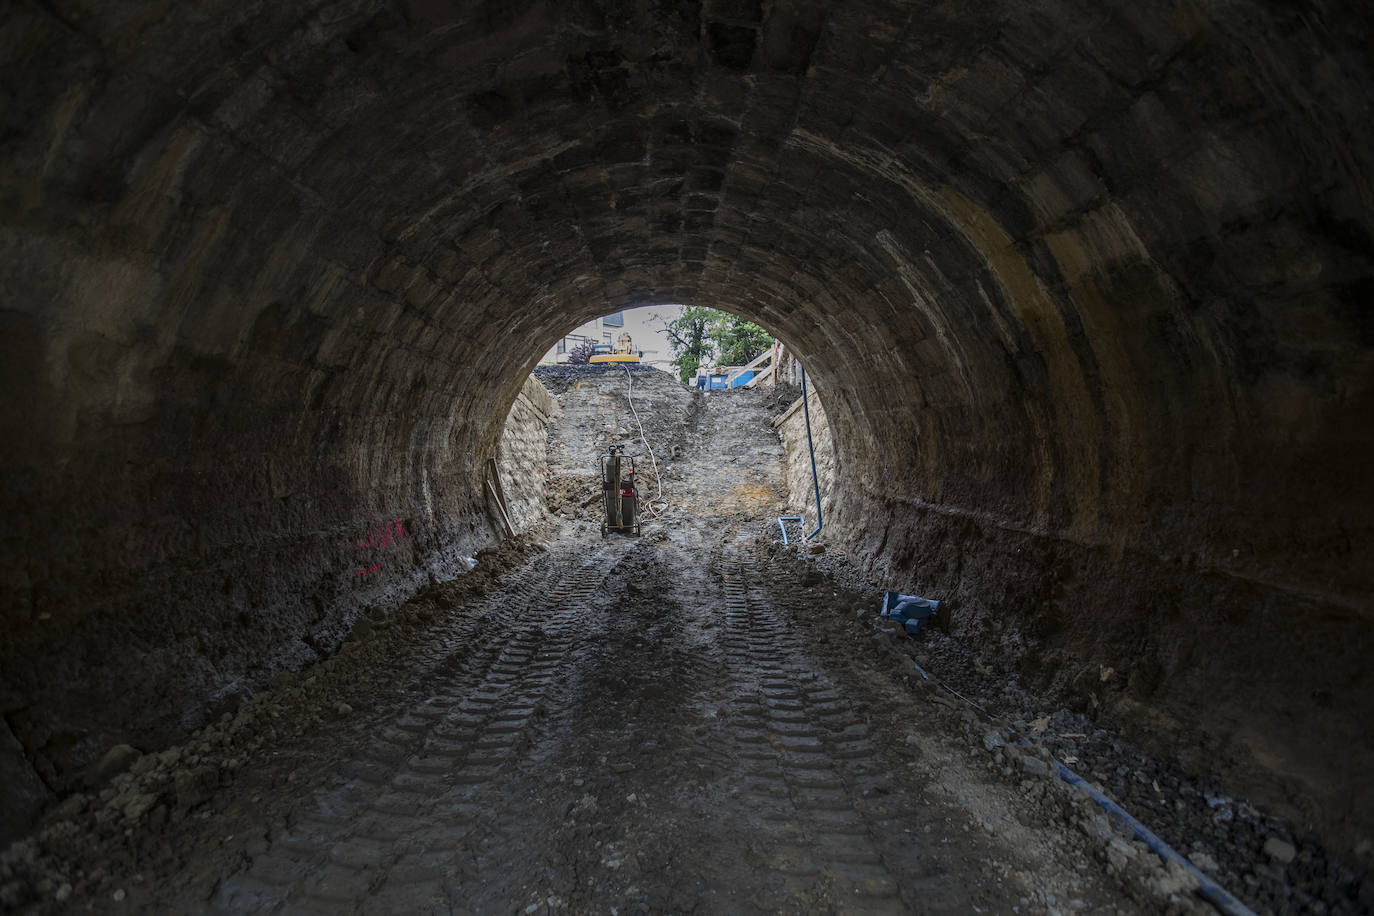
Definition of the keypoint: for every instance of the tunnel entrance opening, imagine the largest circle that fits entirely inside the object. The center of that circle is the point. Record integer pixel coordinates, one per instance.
(697, 413)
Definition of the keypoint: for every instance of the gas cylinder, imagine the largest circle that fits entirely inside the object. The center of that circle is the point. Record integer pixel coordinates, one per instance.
(627, 503)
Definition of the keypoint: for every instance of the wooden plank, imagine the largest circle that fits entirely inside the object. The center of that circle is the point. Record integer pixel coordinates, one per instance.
(737, 372)
(496, 476)
(796, 406)
(505, 519)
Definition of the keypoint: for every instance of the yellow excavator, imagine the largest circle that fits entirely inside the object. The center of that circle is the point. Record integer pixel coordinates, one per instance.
(623, 352)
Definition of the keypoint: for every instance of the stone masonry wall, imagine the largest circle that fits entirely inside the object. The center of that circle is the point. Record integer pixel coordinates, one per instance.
(523, 458)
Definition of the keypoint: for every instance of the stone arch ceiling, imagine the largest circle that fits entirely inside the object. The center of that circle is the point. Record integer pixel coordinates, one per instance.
(1087, 279)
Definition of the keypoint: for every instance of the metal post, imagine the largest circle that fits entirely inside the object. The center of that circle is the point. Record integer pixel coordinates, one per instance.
(815, 480)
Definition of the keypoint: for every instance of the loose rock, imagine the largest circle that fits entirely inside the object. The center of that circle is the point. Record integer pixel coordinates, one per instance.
(194, 787)
(1279, 850)
(117, 759)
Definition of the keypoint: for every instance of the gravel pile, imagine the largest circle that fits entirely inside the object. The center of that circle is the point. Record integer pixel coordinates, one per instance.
(557, 379)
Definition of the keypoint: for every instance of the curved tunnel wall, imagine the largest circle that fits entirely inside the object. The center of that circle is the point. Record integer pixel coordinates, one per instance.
(1085, 286)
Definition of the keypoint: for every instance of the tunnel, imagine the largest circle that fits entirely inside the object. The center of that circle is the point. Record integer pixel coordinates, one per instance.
(1085, 288)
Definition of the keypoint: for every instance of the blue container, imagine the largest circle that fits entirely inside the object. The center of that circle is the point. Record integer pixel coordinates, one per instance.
(742, 379)
(717, 382)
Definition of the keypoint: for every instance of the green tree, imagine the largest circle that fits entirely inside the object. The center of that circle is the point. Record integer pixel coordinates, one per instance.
(704, 335)
(690, 339)
(738, 340)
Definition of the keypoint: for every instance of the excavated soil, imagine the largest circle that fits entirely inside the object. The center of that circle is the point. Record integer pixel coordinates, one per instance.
(695, 720)
(699, 455)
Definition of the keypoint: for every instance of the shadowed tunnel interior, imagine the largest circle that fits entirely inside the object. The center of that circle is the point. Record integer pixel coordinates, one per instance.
(1085, 287)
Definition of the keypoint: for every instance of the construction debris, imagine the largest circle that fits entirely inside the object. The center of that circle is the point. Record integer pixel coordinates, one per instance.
(911, 611)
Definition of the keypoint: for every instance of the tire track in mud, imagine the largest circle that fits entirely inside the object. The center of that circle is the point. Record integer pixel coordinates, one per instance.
(389, 838)
(797, 738)
(640, 730)
(608, 815)
(954, 839)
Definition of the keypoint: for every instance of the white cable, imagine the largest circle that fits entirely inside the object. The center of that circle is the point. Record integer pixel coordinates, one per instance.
(658, 478)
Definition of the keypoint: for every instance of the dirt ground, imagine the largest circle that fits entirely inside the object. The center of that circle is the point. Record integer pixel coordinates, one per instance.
(695, 720)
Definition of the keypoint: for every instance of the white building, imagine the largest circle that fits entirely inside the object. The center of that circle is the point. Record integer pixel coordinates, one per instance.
(644, 325)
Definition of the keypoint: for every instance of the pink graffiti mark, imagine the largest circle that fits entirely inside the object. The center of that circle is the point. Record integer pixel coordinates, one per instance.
(383, 535)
